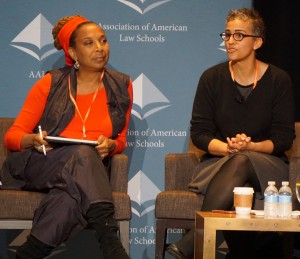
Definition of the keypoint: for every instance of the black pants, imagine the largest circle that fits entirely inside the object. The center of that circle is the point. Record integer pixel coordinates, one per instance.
(74, 177)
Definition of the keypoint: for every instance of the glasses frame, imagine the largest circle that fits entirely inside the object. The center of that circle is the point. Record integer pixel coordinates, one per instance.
(223, 34)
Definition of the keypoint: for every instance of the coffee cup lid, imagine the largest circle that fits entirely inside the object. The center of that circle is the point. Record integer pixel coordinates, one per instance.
(243, 190)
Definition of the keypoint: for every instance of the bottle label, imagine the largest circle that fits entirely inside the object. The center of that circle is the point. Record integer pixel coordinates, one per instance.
(271, 198)
(285, 198)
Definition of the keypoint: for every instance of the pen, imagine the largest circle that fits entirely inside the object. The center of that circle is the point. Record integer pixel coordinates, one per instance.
(41, 135)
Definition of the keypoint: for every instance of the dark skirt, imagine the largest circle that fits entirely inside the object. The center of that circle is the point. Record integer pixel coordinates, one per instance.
(267, 168)
(73, 177)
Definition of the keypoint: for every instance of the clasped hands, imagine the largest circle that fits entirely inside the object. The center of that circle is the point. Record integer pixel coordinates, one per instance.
(105, 146)
(238, 143)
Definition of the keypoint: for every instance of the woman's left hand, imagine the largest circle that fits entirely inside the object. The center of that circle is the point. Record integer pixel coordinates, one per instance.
(105, 146)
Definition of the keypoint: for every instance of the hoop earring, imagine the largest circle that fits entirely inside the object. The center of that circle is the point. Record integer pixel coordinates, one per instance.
(76, 65)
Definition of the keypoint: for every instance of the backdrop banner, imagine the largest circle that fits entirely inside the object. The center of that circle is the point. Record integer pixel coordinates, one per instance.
(164, 45)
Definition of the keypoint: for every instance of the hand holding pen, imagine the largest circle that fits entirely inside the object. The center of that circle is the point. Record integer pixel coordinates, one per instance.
(41, 135)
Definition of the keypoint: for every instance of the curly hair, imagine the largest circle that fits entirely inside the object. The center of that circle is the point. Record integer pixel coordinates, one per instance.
(251, 15)
(57, 27)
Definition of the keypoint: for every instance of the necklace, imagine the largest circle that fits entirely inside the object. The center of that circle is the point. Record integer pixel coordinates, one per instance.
(256, 73)
(88, 111)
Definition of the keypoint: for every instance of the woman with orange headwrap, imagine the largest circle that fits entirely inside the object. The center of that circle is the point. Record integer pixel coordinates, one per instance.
(84, 100)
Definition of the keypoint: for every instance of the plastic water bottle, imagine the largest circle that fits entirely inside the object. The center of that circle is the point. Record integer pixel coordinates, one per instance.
(271, 200)
(285, 201)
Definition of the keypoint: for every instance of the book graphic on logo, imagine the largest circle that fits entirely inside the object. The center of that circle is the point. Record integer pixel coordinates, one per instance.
(147, 99)
(143, 8)
(142, 190)
(36, 39)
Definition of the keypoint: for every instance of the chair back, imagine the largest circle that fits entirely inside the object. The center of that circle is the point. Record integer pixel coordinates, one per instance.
(193, 149)
(5, 125)
(295, 149)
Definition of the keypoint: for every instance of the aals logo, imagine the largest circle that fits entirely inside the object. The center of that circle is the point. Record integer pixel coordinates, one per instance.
(36, 39)
(143, 6)
(147, 99)
(143, 193)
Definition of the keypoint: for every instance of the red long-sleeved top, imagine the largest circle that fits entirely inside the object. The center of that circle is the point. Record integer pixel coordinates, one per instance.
(98, 122)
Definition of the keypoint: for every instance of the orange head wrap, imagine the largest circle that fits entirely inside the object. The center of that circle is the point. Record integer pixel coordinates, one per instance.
(65, 34)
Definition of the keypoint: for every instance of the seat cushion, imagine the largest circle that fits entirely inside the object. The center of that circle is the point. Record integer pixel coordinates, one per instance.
(183, 204)
(19, 204)
(177, 204)
(15, 204)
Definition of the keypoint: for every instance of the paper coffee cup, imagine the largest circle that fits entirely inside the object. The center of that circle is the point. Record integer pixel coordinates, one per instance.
(243, 197)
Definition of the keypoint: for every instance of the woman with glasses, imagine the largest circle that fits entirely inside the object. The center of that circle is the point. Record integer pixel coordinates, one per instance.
(243, 117)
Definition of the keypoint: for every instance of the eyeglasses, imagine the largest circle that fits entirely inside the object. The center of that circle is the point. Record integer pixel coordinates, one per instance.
(238, 36)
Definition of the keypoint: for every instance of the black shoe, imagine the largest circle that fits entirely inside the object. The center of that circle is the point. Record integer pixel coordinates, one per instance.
(33, 249)
(174, 251)
(100, 218)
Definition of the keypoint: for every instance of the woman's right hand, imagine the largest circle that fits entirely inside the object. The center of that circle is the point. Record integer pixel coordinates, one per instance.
(38, 142)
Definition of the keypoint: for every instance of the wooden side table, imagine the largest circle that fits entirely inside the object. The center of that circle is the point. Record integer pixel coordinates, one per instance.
(210, 222)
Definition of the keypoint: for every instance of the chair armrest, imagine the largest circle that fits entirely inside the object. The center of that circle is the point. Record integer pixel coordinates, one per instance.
(179, 169)
(293, 173)
(119, 173)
